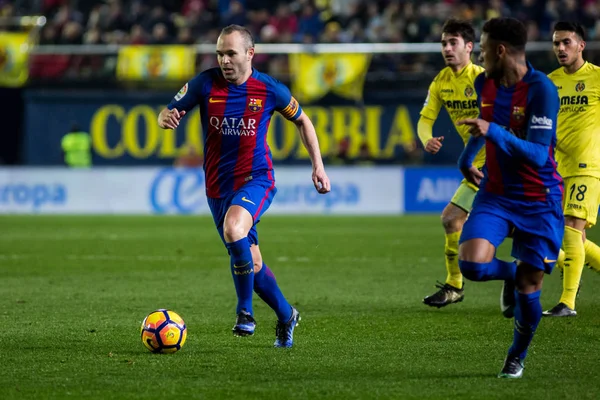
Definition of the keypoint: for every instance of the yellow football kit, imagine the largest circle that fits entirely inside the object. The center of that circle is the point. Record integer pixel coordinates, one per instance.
(578, 158)
(455, 91)
(578, 140)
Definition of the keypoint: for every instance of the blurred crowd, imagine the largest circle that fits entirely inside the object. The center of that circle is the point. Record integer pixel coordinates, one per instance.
(325, 21)
(75, 22)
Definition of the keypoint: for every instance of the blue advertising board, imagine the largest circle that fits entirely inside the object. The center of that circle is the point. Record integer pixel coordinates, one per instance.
(429, 189)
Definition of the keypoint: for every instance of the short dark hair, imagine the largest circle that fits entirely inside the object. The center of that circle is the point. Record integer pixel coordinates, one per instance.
(246, 34)
(509, 31)
(570, 27)
(461, 28)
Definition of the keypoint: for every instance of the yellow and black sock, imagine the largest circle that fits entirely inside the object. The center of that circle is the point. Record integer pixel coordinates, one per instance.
(592, 255)
(454, 277)
(575, 258)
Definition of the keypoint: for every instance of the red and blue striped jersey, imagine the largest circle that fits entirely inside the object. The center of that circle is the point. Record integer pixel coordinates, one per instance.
(522, 169)
(235, 120)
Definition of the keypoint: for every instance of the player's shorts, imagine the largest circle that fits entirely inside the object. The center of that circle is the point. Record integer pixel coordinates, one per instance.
(537, 227)
(582, 197)
(464, 196)
(255, 196)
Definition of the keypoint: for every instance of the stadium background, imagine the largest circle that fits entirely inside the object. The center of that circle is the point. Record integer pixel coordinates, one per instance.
(360, 70)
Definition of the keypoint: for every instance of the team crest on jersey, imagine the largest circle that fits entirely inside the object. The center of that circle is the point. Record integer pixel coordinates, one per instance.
(469, 91)
(518, 112)
(181, 92)
(255, 105)
(580, 87)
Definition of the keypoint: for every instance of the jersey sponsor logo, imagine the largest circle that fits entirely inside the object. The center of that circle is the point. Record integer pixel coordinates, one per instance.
(469, 91)
(542, 122)
(447, 91)
(178, 190)
(182, 92)
(247, 200)
(574, 100)
(255, 105)
(234, 126)
(580, 87)
(213, 100)
(461, 104)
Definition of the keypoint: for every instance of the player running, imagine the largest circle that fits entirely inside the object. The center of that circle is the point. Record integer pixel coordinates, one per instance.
(578, 157)
(521, 190)
(453, 88)
(236, 104)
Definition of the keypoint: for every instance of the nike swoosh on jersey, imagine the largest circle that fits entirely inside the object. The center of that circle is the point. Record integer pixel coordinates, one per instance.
(248, 201)
(487, 105)
(241, 266)
(546, 261)
(213, 100)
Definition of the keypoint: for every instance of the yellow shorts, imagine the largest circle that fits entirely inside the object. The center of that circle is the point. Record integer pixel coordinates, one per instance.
(464, 196)
(581, 198)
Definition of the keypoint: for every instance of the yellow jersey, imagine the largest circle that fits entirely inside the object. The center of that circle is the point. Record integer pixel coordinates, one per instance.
(578, 125)
(455, 91)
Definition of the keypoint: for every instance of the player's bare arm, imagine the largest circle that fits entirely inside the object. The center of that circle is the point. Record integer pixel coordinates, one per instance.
(169, 119)
(308, 135)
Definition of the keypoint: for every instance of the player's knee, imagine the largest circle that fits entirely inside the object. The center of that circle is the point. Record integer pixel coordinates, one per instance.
(473, 271)
(451, 220)
(233, 230)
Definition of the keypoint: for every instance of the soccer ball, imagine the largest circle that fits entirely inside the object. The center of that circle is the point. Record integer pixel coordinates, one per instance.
(163, 331)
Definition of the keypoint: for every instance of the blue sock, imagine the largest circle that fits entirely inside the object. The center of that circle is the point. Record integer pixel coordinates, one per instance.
(494, 270)
(265, 285)
(242, 270)
(528, 313)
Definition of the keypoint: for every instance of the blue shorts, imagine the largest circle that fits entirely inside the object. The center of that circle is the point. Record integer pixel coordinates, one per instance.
(255, 196)
(537, 227)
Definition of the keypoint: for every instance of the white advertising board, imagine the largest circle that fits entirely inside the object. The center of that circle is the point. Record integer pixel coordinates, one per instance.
(355, 190)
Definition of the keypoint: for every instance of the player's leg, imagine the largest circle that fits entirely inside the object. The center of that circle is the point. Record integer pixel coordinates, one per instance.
(236, 225)
(266, 287)
(580, 210)
(482, 233)
(536, 243)
(220, 208)
(453, 219)
(528, 313)
(239, 230)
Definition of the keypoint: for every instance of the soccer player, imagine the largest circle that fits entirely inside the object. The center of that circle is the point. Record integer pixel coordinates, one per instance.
(578, 157)
(236, 104)
(521, 191)
(452, 88)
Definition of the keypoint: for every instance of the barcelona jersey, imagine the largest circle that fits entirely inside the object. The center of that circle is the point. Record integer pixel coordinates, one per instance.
(528, 110)
(235, 120)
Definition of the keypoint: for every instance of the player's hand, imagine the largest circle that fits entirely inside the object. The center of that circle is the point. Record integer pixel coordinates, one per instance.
(170, 119)
(434, 144)
(473, 175)
(477, 127)
(321, 181)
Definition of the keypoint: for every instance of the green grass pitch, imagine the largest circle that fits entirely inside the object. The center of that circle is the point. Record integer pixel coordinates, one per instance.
(74, 290)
